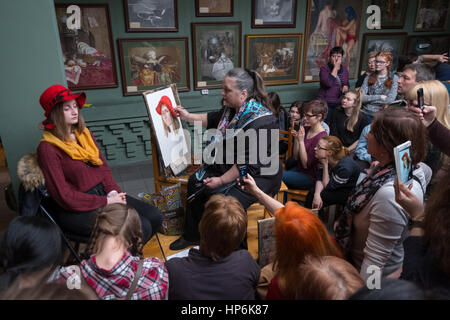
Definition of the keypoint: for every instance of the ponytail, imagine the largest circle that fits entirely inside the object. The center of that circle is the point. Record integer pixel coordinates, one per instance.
(338, 150)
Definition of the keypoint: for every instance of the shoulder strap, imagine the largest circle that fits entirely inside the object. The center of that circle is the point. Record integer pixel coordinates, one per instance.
(137, 275)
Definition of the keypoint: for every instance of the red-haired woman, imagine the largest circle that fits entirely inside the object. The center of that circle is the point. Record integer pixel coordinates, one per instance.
(380, 88)
(298, 233)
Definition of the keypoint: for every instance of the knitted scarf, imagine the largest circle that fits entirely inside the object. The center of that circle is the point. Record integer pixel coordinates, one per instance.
(85, 151)
(359, 198)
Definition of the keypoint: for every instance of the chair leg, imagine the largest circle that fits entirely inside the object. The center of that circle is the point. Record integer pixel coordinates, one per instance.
(66, 241)
(160, 247)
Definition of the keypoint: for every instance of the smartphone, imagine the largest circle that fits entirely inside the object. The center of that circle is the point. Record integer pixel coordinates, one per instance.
(420, 102)
(242, 173)
(403, 163)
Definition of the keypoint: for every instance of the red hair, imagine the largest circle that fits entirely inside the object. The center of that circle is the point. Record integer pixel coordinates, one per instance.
(373, 78)
(298, 233)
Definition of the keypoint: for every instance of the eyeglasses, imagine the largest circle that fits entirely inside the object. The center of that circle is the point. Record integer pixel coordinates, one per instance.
(380, 62)
(310, 115)
(320, 148)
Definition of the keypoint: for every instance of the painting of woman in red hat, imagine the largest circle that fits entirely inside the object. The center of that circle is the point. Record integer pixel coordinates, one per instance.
(165, 110)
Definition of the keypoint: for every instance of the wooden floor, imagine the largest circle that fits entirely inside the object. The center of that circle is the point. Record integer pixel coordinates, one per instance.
(255, 213)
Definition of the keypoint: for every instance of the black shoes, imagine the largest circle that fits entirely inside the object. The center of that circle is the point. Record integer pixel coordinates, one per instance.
(181, 243)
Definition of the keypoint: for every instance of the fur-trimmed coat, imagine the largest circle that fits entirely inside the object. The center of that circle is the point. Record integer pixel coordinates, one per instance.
(32, 185)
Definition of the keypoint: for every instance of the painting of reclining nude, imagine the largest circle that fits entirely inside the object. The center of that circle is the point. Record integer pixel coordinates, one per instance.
(331, 23)
(88, 54)
(150, 63)
(217, 49)
(276, 57)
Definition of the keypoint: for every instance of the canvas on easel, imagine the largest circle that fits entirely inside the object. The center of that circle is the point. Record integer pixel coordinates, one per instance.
(173, 144)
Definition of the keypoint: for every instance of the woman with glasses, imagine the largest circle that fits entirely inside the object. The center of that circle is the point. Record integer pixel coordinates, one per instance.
(372, 226)
(303, 176)
(380, 88)
(336, 178)
(370, 69)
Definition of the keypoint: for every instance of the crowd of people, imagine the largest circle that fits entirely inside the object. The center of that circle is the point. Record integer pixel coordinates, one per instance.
(342, 154)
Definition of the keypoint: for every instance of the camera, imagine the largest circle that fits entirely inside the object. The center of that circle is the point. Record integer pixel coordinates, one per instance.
(420, 102)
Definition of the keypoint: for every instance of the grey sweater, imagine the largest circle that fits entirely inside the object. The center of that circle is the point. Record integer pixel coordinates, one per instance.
(372, 102)
(380, 228)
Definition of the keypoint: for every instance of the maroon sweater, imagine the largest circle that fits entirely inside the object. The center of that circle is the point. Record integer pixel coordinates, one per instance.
(67, 180)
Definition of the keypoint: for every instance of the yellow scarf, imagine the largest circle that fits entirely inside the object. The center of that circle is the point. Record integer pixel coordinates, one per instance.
(86, 151)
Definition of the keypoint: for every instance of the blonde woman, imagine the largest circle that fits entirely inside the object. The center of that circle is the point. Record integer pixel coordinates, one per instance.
(434, 94)
(348, 121)
(370, 69)
(337, 177)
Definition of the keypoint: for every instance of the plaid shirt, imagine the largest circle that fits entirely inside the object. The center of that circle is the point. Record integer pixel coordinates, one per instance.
(114, 284)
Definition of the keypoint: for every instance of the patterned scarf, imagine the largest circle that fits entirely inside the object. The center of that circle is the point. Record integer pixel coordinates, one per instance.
(360, 196)
(248, 112)
(85, 151)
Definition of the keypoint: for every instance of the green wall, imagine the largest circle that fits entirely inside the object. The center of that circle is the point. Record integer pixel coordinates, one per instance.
(32, 60)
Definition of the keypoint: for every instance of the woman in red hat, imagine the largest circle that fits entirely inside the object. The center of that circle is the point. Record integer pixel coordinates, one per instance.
(165, 110)
(76, 173)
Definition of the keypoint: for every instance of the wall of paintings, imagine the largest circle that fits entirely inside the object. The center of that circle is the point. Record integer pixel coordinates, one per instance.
(126, 47)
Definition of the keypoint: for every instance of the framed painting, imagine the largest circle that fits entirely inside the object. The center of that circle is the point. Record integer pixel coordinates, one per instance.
(276, 57)
(153, 62)
(151, 15)
(331, 24)
(393, 13)
(274, 13)
(88, 52)
(217, 49)
(431, 15)
(214, 8)
(392, 42)
(433, 44)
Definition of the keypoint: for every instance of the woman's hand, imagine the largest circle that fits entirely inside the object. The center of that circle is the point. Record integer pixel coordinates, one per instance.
(408, 200)
(117, 198)
(324, 161)
(317, 202)
(181, 112)
(301, 133)
(373, 164)
(249, 185)
(426, 115)
(213, 182)
(383, 97)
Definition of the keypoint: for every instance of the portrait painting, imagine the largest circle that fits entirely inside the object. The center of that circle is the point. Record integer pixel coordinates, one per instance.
(214, 8)
(151, 15)
(434, 44)
(392, 42)
(276, 57)
(88, 53)
(274, 13)
(167, 126)
(432, 15)
(153, 62)
(331, 23)
(217, 49)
